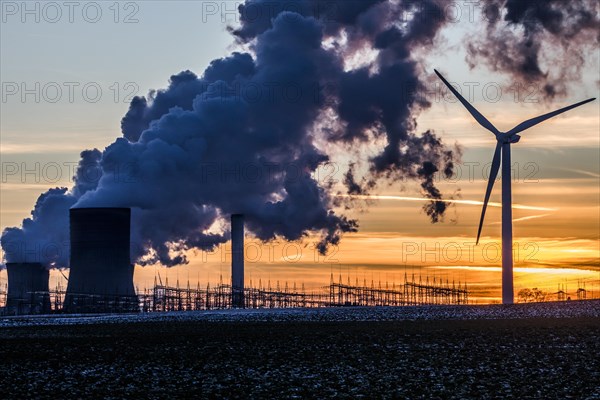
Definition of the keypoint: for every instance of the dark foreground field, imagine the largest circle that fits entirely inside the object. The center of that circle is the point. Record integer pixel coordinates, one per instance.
(540, 358)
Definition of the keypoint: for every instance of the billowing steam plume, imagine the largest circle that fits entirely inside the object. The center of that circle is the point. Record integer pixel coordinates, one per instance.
(248, 134)
(539, 42)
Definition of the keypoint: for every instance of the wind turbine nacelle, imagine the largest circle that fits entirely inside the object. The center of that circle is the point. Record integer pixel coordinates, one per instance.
(506, 137)
(514, 139)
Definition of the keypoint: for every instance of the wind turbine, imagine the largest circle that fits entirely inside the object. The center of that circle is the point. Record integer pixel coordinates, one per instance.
(502, 152)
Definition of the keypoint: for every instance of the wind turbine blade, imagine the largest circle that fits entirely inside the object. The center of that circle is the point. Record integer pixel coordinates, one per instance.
(476, 114)
(534, 121)
(493, 175)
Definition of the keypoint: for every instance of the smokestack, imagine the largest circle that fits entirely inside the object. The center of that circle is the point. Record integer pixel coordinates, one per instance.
(27, 289)
(101, 275)
(237, 260)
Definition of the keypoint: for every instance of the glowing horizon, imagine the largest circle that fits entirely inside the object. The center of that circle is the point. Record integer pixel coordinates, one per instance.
(556, 180)
(450, 201)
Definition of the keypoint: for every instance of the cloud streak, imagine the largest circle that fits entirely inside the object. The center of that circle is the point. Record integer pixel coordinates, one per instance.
(451, 201)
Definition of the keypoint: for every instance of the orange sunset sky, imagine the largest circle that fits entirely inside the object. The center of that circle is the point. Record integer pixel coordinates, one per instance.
(556, 167)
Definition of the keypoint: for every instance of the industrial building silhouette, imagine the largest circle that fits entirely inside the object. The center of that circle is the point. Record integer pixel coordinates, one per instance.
(101, 273)
(101, 279)
(28, 291)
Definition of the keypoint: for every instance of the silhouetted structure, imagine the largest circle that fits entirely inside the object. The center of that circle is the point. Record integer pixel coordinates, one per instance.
(101, 274)
(28, 291)
(502, 159)
(237, 260)
(337, 294)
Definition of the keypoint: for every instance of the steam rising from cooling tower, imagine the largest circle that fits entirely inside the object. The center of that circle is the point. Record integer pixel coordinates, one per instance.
(250, 134)
(101, 274)
(27, 289)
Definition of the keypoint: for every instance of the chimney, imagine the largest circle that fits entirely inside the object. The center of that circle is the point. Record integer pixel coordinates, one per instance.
(101, 273)
(237, 260)
(27, 289)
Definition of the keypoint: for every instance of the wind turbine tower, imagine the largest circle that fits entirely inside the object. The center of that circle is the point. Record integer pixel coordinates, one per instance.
(502, 155)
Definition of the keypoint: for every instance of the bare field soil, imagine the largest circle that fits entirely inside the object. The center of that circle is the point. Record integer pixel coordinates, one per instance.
(537, 358)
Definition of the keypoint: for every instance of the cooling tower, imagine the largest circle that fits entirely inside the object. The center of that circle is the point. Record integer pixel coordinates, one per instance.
(27, 289)
(237, 260)
(101, 274)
